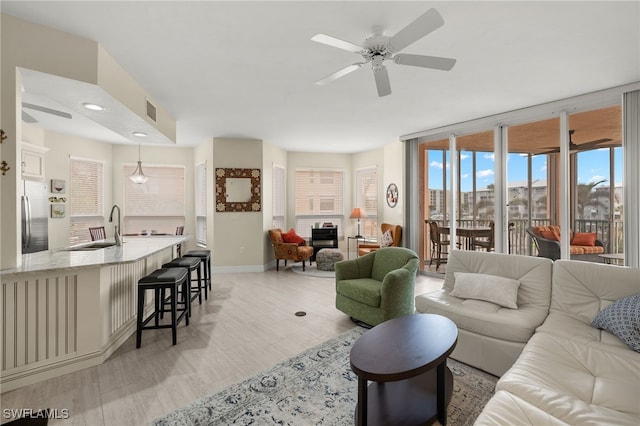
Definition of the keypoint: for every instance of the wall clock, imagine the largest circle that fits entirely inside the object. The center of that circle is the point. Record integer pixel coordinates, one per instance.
(392, 195)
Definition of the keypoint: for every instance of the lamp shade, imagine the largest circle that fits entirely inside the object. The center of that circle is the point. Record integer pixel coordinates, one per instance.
(357, 213)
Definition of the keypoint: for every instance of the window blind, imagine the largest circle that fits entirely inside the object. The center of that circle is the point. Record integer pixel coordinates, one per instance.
(201, 204)
(367, 199)
(279, 198)
(86, 198)
(319, 198)
(157, 205)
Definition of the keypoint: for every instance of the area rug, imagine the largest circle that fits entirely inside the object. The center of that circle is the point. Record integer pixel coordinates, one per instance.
(317, 387)
(312, 271)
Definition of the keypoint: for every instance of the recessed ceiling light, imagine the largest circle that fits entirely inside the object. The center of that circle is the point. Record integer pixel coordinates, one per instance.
(140, 134)
(93, 107)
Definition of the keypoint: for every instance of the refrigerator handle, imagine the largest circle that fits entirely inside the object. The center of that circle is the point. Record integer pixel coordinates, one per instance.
(27, 210)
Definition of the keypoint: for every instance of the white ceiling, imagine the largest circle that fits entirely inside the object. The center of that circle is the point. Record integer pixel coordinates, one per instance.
(247, 69)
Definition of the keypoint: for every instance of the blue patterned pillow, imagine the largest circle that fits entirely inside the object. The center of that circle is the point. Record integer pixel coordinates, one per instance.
(622, 318)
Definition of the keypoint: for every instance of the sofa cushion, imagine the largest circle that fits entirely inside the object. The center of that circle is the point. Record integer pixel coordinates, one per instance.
(505, 408)
(483, 318)
(491, 288)
(622, 318)
(364, 290)
(560, 324)
(582, 289)
(387, 239)
(291, 237)
(584, 239)
(575, 381)
(550, 235)
(534, 273)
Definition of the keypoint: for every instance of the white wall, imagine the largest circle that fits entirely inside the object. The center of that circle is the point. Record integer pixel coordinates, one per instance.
(58, 166)
(271, 155)
(238, 245)
(204, 153)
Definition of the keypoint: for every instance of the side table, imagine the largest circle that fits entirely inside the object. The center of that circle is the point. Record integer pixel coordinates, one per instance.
(406, 361)
(357, 240)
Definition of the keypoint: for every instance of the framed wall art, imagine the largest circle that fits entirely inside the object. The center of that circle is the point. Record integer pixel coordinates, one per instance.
(238, 190)
(392, 195)
(58, 186)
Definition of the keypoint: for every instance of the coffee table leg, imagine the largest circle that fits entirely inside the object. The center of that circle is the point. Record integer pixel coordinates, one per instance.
(441, 395)
(362, 402)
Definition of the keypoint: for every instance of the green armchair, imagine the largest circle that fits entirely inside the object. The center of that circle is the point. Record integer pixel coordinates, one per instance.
(377, 286)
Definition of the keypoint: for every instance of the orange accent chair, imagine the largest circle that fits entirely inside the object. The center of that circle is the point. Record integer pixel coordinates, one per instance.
(289, 251)
(546, 240)
(396, 235)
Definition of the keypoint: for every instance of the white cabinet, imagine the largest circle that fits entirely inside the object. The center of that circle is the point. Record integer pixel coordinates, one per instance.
(33, 161)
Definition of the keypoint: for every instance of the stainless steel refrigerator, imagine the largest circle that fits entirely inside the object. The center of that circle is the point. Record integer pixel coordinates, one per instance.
(35, 216)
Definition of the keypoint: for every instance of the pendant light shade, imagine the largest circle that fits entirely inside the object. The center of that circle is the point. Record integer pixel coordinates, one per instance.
(138, 176)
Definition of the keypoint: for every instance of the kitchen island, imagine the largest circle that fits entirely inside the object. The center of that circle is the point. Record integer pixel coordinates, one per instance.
(66, 310)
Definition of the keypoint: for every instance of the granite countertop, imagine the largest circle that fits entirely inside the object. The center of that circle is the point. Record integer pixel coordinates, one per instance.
(132, 249)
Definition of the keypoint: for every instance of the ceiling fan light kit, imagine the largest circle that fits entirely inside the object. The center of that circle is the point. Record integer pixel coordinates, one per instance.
(379, 48)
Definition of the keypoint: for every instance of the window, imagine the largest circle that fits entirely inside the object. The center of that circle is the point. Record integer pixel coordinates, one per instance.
(201, 204)
(319, 198)
(279, 199)
(86, 201)
(367, 199)
(156, 206)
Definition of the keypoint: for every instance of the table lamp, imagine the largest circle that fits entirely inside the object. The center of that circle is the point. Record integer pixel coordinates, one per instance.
(357, 213)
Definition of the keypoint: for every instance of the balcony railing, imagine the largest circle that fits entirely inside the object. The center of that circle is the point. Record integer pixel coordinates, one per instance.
(610, 233)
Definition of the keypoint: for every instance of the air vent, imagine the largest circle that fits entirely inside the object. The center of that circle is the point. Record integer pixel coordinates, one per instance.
(151, 111)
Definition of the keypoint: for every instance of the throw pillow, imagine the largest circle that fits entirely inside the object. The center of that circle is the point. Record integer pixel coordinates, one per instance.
(387, 239)
(550, 235)
(622, 318)
(584, 239)
(291, 237)
(490, 288)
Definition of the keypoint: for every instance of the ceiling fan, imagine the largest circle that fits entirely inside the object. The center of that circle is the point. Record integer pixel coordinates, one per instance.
(574, 147)
(28, 118)
(379, 48)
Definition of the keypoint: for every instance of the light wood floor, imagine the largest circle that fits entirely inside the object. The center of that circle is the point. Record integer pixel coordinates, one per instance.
(247, 326)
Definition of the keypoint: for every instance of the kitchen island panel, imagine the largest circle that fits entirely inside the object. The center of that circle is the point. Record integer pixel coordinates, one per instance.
(57, 321)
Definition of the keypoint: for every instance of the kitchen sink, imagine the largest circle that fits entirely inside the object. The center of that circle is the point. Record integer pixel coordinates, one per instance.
(90, 247)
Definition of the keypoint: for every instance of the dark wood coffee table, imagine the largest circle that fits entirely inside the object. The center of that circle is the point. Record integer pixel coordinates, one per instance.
(398, 357)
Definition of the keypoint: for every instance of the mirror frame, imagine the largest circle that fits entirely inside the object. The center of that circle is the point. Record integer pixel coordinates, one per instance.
(253, 205)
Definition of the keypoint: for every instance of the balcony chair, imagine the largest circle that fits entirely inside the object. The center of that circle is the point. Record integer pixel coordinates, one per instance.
(97, 233)
(378, 286)
(396, 236)
(439, 246)
(485, 242)
(550, 247)
(297, 251)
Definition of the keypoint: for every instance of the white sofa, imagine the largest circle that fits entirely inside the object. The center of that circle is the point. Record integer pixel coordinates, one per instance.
(568, 372)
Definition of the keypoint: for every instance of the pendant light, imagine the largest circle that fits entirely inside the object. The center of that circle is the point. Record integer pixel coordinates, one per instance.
(138, 176)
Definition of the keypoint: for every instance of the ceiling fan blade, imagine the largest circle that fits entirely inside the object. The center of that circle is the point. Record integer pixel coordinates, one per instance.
(47, 110)
(434, 62)
(340, 73)
(382, 81)
(28, 118)
(336, 42)
(592, 144)
(423, 25)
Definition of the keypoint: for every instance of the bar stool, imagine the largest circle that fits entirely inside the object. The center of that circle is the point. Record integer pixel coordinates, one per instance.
(192, 264)
(159, 281)
(205, 261)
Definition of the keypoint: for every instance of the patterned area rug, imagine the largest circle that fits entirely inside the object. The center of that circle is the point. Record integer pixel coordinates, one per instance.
(317, 387)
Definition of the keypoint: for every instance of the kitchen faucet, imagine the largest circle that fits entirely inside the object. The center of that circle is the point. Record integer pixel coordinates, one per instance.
(117, 227)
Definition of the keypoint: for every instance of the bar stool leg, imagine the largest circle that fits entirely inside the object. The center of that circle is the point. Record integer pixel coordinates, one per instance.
(141, 292)
(174, 313)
